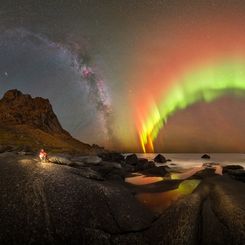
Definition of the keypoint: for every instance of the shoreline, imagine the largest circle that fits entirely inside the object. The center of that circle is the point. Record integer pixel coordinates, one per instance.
(96, 206)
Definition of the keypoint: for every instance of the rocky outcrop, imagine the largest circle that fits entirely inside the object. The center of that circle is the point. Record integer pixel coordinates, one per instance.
(86, 160)
(18, 108)
(111, 157)
(27, 122)
(156, 171)
(205, 156)
(205, 173)
(228, 168)
(57, 204)
(236, 172)
(216, 205)
(59, 160)
(5, 148)
(131, 159)
(160, 159)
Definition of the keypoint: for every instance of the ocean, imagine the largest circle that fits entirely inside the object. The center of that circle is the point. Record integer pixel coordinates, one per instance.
(190, 160)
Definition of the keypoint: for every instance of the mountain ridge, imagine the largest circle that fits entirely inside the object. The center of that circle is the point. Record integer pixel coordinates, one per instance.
(31, 123)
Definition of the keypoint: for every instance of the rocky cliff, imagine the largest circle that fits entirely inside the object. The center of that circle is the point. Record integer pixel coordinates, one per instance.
(31, 123)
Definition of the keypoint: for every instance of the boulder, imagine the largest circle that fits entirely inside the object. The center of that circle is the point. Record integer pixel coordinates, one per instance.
(227, 168)
(134, 164)
(112, 157)
(130, 168)
(144, 164)
(131, 159)
(111, 165)
(4, 148)
(238, 174)
(25, 148)
(205, 156)
(87, 159)
(26, 153)
(110, 170)
(160, 159)
(156, 171)
(205, 173)
(116, 175)
(60, 160)
(151, 164)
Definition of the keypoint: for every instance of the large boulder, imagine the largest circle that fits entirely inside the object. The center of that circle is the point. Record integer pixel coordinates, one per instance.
(4, 148)
(130, 168)
(227, 168)
(112, 157)
(238, 174)
(160, 159)
(87, 159)
(110, 171)
(144, 164)
(134, 164)
(205, 156)
(60, 160)
(205, 173)
(235, 171)
(131, 159)
(155, 171)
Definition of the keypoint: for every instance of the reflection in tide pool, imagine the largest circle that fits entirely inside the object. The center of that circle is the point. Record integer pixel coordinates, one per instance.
(140, 179)
(158, 202)
(143, 180)
(186, 174)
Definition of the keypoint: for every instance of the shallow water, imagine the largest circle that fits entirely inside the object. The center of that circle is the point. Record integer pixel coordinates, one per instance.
(139, 179)
(158, 202)
(182, 167)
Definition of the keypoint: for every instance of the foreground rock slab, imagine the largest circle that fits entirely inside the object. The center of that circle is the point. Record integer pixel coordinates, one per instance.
(51, 204)
(57, 204)
(216, 205)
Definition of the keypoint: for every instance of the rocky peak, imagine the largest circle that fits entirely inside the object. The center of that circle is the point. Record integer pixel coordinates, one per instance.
(11, 95)
(18, 109)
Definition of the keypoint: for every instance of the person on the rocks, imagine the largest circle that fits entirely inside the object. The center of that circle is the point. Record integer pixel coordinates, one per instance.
(43, 156)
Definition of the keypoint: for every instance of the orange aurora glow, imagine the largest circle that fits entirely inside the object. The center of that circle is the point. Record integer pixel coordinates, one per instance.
(161, 65)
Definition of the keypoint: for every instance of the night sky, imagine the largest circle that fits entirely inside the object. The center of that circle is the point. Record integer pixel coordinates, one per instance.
(105, 66)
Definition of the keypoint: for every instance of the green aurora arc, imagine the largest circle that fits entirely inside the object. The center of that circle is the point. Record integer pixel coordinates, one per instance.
(205, 84)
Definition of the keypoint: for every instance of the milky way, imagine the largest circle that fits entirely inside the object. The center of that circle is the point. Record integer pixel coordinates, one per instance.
(80, 61)
(105, 66)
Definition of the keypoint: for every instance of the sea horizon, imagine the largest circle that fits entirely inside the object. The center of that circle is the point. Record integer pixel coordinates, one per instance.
(188, 160)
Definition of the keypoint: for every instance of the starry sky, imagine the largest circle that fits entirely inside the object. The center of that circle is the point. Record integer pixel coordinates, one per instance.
(100, 62)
